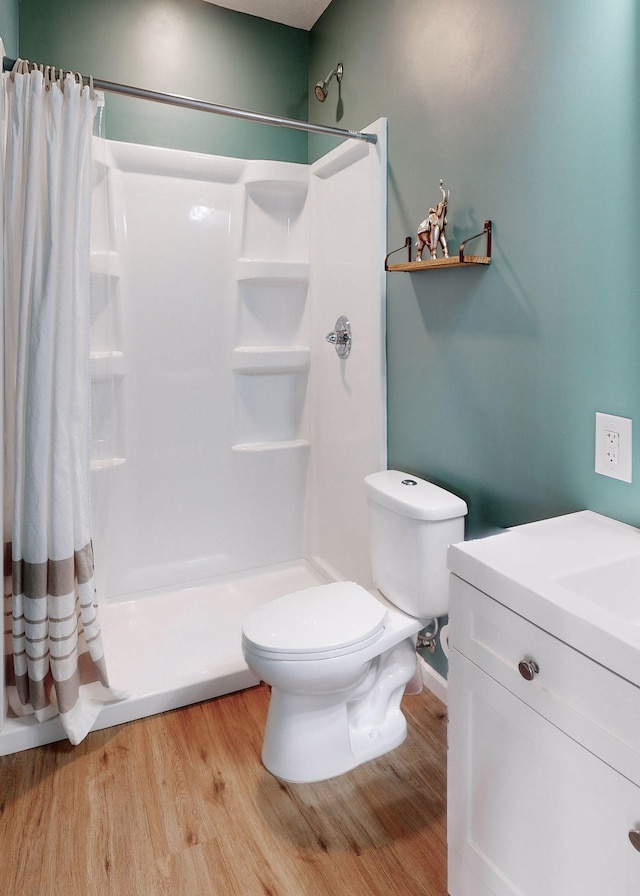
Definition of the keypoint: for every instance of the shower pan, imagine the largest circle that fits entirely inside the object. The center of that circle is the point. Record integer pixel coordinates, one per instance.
(230, 440)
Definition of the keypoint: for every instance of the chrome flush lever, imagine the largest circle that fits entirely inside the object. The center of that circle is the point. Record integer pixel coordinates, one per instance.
(341, 337)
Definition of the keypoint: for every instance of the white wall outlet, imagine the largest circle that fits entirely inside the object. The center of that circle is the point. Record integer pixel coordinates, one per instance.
(613, 446)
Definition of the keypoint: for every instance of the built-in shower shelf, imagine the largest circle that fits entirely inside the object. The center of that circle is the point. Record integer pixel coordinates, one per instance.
(293, 444)
(265, 174)
(272, 272)
(285, 188)
(270, 359)
(107, 463)
(105, 364)
(105, 262)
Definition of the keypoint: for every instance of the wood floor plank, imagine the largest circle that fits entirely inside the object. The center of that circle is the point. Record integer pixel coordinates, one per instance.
(180, 803)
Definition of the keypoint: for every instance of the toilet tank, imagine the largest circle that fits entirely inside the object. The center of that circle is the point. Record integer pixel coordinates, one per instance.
(411, 524)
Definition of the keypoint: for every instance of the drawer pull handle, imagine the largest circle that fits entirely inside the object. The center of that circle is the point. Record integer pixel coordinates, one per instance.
(528, 669)
(634, 836)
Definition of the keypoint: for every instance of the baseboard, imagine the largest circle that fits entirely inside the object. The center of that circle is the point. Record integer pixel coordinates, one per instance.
(433, 680)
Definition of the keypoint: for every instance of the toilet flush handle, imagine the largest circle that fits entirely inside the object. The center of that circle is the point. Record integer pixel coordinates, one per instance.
(341, 337)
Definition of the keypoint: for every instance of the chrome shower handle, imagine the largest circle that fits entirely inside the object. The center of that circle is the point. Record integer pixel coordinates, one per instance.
(341, 337)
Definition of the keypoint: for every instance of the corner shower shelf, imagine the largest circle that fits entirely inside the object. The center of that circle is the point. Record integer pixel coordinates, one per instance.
(270, 359)
(105, 262)
(105, 364)
(107, 463)
(272, 272)
(270, 177)
(271, 446)
(459, 261)
(283, 188)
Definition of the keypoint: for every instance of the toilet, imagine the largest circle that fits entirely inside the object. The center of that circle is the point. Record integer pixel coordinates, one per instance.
(337, 656)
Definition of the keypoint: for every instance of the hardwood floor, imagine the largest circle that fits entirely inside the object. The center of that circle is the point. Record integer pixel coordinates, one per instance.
(180, 804)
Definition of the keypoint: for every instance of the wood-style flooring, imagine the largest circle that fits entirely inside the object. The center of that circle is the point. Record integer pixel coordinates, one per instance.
(180, 804)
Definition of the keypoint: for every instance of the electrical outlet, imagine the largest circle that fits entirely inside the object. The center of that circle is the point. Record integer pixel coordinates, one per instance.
(613, 446)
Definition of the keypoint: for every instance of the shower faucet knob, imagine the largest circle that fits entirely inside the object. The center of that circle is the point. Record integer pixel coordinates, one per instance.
(341, 337)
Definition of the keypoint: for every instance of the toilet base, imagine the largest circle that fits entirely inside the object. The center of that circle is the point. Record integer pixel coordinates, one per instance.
(314, 737)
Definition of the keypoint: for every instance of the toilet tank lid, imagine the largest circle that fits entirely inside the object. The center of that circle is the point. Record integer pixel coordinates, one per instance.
(413, 497)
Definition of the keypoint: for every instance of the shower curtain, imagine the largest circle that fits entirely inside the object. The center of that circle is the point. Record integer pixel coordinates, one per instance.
(55, 660)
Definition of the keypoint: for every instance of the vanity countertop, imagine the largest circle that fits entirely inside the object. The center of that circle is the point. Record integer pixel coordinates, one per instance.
(575, 576)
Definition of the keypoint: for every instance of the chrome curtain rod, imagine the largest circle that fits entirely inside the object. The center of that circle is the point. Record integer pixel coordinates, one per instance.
(170, 99)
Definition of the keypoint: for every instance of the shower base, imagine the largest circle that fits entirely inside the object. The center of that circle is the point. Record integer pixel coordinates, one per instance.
(172, 649)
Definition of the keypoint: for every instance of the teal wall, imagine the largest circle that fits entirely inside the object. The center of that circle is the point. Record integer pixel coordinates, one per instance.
(185, 47)
(9, 26)
(529, 111)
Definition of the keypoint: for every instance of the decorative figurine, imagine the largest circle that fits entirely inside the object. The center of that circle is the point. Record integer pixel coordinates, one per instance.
(431, 230)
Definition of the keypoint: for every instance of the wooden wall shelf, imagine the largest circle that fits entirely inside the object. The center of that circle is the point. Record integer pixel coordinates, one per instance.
(457, 261)
(431, 264)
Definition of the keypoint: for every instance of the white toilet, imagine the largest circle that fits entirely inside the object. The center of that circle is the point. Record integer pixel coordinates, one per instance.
(337, 657)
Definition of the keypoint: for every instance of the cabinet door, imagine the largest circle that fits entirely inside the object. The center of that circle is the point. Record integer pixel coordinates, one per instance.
(530, 811)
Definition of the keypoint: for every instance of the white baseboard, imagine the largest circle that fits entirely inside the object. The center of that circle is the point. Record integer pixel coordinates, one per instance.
(433, 680)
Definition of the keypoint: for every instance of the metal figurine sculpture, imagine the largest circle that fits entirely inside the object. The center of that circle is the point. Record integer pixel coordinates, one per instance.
(431, 230)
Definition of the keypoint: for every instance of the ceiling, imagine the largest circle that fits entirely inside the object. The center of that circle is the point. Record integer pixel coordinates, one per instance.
(297, 13)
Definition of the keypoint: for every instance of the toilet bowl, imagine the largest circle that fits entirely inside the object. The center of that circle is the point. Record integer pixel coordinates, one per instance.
(337, 656)
(334, 702)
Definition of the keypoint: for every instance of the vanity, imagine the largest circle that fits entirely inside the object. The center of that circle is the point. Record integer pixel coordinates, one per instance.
(544, 711)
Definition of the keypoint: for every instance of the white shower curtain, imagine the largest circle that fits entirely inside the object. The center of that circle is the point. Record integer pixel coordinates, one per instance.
(57, 661)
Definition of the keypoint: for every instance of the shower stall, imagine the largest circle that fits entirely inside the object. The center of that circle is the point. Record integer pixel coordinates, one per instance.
(230, 439)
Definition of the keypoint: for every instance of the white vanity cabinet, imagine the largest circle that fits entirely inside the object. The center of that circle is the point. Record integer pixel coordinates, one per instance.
(543, 774)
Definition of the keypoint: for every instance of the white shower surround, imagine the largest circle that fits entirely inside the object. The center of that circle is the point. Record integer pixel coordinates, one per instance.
(237, 442)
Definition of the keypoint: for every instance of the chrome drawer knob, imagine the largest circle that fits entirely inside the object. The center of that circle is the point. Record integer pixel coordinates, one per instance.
(634, 836)
(528, 669)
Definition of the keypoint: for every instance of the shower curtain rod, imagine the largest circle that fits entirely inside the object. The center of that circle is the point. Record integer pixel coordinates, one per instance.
(171, 99)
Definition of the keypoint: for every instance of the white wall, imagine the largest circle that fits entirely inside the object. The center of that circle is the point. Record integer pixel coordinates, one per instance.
(348, 427)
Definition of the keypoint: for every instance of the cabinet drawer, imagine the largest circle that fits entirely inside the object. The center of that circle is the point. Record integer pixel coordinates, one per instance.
(593, 705)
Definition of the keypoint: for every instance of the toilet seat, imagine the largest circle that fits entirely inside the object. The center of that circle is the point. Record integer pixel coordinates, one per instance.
(319, 622)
